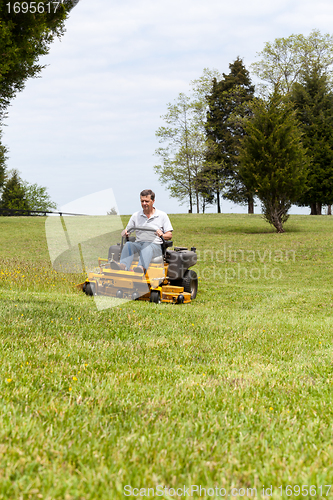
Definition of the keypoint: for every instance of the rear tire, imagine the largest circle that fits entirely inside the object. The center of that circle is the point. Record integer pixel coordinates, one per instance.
(190, 283)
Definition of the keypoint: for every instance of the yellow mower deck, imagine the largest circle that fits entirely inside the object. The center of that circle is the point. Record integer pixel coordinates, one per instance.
(130, 285)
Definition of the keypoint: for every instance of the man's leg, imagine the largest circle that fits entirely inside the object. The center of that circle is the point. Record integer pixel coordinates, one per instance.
(148, 252)
(128, 252)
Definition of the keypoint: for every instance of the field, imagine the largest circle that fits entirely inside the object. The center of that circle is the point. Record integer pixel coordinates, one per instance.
(231, 391)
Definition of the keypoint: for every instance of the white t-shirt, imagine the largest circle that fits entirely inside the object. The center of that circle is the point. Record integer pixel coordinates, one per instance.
(159, 220)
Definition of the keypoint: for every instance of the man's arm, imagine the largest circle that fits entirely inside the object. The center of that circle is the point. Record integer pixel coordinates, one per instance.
(130, 225)
(166, 236)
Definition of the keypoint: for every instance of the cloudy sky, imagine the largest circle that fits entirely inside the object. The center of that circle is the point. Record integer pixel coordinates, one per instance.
(88, 124)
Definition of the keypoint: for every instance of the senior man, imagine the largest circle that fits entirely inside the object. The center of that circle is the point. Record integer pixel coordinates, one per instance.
(147, 244)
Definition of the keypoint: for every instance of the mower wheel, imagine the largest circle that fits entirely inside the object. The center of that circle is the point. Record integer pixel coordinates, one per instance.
(135, 295)
(119, 294)
(190, 283)
(155, 297)
(89, 289)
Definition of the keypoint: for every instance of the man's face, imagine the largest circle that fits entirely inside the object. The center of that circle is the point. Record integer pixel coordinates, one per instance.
(146, 203)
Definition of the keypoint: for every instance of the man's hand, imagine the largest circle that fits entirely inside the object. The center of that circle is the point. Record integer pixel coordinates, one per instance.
(166, 236)
(125, 233)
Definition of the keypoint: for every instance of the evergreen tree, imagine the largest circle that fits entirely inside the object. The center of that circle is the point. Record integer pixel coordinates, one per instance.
(228, 104)
(313, 100)
(273, 159)
(13, 195)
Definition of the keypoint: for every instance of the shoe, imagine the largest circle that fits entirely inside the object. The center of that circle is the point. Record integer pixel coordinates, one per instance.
(117, 266)
(139, 269)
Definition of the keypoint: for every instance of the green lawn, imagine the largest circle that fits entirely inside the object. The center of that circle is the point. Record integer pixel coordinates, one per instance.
(231, 391)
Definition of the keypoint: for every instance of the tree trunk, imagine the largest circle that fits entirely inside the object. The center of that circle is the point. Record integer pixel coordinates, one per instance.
(313, 209)
(218, 201)
(191, 205)
(318, 207)
(329, 209)
(250, 205)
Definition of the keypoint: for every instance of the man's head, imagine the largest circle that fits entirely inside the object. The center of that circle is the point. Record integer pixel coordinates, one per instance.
(147, 198)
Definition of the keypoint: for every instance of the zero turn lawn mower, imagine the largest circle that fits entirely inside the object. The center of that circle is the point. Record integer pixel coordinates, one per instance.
(168, 278)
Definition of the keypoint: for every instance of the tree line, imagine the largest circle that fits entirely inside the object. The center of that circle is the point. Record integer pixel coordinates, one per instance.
(230, 140)
(26, 33)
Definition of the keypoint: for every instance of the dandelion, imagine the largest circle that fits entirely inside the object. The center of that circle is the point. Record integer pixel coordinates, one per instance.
(74, 378)
(69, 388)
(9, 380)
(271, 408)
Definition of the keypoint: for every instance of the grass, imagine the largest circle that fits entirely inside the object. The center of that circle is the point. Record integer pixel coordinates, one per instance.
(231, 391)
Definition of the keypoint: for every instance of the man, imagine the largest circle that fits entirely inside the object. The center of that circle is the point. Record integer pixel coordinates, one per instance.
(147, 244)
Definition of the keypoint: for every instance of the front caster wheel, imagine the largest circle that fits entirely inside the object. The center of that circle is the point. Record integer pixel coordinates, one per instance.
(155, 297)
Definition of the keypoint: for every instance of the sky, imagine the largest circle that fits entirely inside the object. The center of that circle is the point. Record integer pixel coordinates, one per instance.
(88, 123)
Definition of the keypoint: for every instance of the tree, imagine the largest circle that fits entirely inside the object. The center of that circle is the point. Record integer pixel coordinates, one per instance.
(112, 211)
(26, 35)
(228, 104)
(184, 154)
(13, 195)
(38, 198)
(313, 101)
(286, 59)
(3, 157)
(273, 159)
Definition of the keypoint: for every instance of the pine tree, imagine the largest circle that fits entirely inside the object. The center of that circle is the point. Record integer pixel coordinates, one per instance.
(228, 104)
(313, 102)
(13, 195)
(273, 159)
